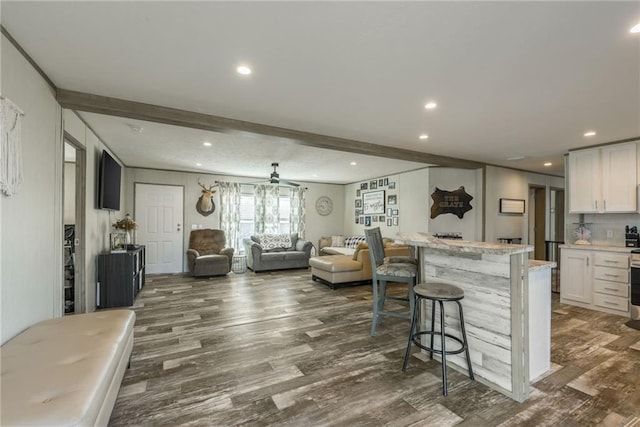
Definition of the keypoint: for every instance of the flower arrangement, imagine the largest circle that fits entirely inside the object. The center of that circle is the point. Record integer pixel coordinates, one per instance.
(127, 223)
(582, 234)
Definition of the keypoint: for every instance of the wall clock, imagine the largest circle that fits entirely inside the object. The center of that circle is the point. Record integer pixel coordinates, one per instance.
(324, 205)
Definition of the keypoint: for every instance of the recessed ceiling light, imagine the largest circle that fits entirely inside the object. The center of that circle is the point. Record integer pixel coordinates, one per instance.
(244, 70)
(430, 105)
(423, 136)
(590, 133)
(635, 29)
(136, 129)
(548, 164)
(353, 163)
(206, 144)
(198, 164)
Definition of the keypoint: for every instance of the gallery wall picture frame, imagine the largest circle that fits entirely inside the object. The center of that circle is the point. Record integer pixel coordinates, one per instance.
(392, 199)
(358, 193)
(392, 185)
(358, 203)
(373, 202)
(395, 212)
(367, 221)
(389, 211)
(381, 219)
(357, 222)
(512, 206)
(374, 218)
(373, 185)
(386, 181)
(389, 222)
(395, 220)
(380, 182)
(361, 220)
(364, 186)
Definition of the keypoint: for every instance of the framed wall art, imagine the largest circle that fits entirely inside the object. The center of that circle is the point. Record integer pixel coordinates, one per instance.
(373, 202)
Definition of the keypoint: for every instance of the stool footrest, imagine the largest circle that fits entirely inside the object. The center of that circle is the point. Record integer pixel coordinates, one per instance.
(416, 340)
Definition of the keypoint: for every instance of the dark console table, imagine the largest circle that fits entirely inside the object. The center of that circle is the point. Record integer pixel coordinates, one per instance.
(120, 277)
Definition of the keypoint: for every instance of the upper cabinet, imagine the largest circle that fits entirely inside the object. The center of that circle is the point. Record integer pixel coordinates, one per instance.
(603, 180)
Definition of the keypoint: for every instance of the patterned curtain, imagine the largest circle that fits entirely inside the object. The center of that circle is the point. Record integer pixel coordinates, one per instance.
(230, 213)
(266, 206)
(298, 210)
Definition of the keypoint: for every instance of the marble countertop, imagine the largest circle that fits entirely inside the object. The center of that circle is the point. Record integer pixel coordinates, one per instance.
(428, 241)
(535, 264)
(598, 248)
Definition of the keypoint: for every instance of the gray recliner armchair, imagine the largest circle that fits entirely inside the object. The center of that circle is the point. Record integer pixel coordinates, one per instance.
(207, 254)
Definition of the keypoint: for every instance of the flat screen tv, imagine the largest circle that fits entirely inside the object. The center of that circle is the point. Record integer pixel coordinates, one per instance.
(109, 183)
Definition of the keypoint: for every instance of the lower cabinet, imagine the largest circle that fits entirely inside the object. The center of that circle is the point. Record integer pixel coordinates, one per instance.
(576, 276)
(120, 278)
(598, 280)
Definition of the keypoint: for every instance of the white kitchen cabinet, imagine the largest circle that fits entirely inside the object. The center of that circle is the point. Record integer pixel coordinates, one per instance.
(595, 279)
(576, 276)
(584, 181)
(603, 180)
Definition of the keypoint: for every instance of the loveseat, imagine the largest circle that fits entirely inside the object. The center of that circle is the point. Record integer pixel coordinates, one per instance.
(343, 270)
(277, 252)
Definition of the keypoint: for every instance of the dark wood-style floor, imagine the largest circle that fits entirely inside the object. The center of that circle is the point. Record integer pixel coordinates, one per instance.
(280, 349)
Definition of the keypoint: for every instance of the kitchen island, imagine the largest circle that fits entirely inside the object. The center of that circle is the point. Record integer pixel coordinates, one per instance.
(507, 307)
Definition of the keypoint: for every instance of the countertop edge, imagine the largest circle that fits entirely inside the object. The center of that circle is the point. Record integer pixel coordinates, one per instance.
(428, 241)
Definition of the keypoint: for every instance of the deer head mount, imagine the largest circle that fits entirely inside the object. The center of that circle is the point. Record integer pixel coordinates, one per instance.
(205, 205)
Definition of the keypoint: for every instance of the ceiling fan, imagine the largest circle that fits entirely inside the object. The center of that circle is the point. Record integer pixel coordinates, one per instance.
(275, 177)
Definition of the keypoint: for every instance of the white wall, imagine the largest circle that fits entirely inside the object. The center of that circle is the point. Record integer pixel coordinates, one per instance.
(69, 206)
(31, 221)
(512, 184)
(316, 225)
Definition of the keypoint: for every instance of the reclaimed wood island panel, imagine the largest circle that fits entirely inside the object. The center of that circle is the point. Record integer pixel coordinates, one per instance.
(495, 280)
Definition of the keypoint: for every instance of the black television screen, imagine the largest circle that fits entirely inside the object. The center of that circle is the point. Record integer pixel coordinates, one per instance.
(109, 186)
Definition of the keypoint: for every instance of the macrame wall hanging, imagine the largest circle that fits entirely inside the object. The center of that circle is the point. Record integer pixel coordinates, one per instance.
(10, 147)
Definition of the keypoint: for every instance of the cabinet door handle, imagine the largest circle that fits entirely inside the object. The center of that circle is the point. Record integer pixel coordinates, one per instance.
(610, 260)
(610, 303)
(611, 289)
(596, 205)
(605, 204)
(587, 261)
(610, 275)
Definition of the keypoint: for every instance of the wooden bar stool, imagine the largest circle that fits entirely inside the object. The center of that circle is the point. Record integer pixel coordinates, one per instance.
(440, 293)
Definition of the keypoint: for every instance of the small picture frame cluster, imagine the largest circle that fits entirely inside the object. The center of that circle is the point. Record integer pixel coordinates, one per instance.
(369, 203)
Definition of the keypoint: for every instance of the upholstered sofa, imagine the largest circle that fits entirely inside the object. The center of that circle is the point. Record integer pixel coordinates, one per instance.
(207, 254)
(343, 270)
(277, 252)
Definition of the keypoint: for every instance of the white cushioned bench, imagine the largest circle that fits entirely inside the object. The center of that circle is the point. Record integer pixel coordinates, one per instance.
(66, 371)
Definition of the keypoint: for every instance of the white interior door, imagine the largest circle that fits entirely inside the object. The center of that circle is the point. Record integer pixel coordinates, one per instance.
(159, 214)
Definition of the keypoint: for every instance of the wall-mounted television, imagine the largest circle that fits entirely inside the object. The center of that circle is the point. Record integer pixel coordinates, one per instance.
(109, 183)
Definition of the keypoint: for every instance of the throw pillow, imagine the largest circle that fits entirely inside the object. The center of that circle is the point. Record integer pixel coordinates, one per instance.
(352, 241)
(273, 241)
(361, 245)
(337, 241)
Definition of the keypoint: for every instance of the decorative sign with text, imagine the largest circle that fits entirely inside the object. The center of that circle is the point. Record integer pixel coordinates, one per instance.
(457, 202)
(373, 202)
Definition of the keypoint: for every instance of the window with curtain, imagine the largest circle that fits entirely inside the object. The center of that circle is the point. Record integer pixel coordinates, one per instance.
(262, 209)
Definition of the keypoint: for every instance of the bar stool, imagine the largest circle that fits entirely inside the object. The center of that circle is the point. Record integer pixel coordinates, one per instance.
(440, 293)
(389, 269)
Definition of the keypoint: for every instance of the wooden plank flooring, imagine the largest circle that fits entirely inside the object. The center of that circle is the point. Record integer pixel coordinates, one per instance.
(279, 349)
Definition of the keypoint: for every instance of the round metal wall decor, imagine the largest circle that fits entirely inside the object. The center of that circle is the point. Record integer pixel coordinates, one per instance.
(324, 205)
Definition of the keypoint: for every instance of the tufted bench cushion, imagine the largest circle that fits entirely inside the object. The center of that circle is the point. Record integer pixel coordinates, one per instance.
(66, 371)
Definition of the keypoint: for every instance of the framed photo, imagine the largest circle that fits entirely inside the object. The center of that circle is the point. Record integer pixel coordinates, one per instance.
(373, 185)
(395, 220)
(389, 211)
(395, 212)
(358, 212)
(389, 223)
(381, 219)
(386, 181)
(357, 220)
(392, 199)
(358, 203)
(358, 193)
(373, 202)
(374, 218)
(367, 221)
(364, 186)
(361, 220)
(512, 206)
(380, 182)
(392, 185)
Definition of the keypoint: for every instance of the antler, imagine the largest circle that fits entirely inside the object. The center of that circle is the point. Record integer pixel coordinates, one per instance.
(205, 188)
